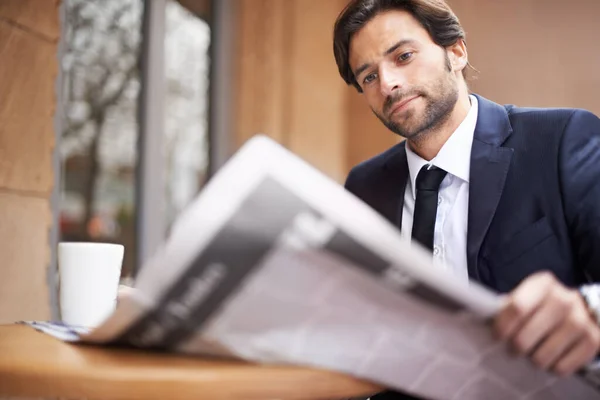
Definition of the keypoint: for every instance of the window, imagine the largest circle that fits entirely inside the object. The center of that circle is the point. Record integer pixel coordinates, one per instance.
(101, 189)
(101, 81)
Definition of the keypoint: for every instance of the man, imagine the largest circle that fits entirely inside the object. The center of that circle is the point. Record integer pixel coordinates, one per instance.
(506, 196)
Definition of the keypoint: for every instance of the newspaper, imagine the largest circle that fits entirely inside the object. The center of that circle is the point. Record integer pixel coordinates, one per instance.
(276, 263)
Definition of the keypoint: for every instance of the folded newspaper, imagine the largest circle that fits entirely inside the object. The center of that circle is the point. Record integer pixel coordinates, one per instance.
(276, 263)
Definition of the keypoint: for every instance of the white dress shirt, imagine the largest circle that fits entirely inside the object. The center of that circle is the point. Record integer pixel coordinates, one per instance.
(450, 235)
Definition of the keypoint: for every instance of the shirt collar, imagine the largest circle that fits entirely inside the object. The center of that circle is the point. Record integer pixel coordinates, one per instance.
(455, 155)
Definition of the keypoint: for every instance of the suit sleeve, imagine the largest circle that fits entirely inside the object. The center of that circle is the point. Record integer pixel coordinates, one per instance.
(350, 183)
(579, 164)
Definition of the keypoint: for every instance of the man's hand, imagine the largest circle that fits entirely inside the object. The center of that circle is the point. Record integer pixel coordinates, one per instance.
(124, 292)
(549, 323)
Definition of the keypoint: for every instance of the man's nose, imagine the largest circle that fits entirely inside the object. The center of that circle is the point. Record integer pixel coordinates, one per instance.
(390, 81)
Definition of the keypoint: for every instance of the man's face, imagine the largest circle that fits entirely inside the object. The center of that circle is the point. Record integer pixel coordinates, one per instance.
(406, 78)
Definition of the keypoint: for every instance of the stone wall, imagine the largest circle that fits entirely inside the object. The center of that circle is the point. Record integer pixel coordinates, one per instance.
(29, 32)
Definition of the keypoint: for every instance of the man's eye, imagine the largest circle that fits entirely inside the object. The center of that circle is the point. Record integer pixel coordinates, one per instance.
(370, 78)
(405, 56)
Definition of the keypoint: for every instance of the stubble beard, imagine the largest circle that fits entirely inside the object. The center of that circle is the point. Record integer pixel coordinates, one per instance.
(437, 112)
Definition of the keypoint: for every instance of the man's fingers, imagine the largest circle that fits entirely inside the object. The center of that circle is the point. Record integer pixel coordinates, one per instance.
(521, 304)
(582, 353)
(550, 323)
(555, 346)
(543, 321)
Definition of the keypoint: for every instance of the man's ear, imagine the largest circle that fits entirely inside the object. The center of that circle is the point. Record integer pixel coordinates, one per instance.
(458, 55)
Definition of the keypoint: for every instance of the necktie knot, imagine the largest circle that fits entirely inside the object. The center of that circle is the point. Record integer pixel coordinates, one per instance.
(430, 178)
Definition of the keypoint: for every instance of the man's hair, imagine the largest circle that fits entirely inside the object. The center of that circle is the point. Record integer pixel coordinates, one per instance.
(434, 15)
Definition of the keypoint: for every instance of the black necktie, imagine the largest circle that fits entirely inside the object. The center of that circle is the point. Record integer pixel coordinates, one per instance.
(427, 185)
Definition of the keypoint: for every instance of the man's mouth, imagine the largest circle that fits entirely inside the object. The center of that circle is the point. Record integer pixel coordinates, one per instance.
(399, 106)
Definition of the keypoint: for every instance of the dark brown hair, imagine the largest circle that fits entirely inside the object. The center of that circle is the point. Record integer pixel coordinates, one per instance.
(434, 15)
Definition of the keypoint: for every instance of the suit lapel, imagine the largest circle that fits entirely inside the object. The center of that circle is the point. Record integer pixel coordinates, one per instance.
(489, 167)
(395, 176)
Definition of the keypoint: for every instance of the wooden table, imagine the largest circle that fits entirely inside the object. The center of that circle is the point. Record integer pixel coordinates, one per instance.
(33, 364)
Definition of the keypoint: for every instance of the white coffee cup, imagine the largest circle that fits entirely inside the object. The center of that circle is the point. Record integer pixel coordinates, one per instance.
(89, 276)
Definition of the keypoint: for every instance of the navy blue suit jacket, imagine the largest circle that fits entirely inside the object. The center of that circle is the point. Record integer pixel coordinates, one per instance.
(534, 194)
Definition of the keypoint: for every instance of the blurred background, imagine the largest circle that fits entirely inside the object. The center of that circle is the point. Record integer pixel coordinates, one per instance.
(115, 113)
